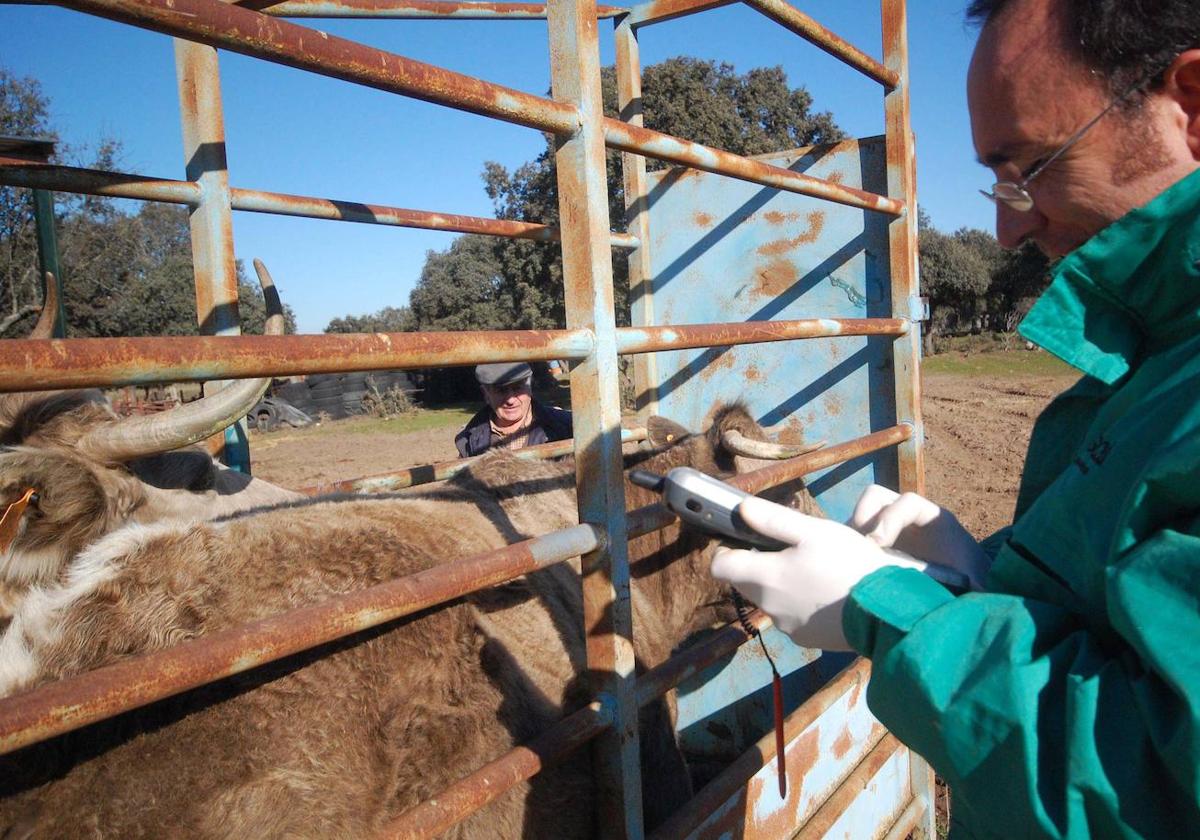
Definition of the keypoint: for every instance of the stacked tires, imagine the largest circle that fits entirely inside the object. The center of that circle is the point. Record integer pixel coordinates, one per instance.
(339, 394)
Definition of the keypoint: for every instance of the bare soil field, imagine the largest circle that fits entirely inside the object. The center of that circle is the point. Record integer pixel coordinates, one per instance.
(977, 429)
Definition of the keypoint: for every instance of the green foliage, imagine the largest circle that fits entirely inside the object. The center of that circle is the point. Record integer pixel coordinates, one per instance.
(124, 274)
(492, 283)
(386, 320)
(973, 284)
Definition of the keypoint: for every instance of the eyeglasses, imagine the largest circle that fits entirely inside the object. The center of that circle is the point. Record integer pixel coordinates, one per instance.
(1016, 195)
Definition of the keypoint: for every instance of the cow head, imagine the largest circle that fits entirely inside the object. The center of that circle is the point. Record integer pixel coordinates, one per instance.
(92, 471)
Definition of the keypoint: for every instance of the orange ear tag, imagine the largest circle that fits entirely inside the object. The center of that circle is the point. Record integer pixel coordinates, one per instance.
(11, 521)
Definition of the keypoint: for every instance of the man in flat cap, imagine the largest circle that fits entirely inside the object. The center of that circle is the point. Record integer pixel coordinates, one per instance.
(513, 419)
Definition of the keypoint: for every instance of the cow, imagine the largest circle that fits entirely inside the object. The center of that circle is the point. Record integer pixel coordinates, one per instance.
(106, 472)
(338, 741)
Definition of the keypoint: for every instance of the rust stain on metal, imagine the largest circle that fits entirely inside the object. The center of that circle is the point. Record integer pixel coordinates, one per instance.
(843, 744)
(723, 361)
(776, 278)
(833, 406)
(703, 219)
(816, 223)
(832, 809)
(835, 177)
(753, 374)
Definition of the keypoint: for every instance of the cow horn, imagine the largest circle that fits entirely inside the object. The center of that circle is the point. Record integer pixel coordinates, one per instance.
(138, 436)
(739, 444)
(44, 328)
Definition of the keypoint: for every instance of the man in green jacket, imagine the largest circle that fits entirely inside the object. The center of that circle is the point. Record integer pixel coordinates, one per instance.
(1060, 697)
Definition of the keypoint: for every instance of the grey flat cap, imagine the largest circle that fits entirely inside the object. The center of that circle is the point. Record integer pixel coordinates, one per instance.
(502, 373)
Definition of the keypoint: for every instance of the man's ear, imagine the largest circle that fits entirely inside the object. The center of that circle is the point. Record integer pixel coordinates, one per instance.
(1182, 83)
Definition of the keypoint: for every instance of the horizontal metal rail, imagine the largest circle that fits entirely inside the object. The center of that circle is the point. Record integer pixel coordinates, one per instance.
(790, 17)
(655, 516)
(244, 31)
(15, 172)
(657, 11)
(692, 660)
(644, 141)
(40, 365)
(77, 701)
(649, 339)
(413, 476)
(416, 9)
(250, 33)
(736, 775)
(496, 778)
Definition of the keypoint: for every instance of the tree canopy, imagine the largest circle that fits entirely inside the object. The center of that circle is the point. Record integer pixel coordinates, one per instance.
(124, 273)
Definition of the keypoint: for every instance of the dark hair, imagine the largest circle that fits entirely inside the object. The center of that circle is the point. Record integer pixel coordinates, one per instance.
(1122, 39)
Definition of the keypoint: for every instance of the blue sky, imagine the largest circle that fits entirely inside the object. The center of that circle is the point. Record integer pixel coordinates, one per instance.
(295, 132)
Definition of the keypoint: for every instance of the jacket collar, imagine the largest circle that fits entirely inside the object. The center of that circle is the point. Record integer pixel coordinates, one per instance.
(1132, 288)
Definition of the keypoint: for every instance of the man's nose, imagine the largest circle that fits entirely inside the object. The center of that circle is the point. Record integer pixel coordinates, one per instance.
(1014, 226)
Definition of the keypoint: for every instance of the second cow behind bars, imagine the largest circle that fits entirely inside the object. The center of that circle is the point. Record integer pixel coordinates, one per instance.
(338, 741)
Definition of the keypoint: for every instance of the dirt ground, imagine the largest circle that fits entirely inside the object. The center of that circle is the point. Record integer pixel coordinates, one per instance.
(977, 428)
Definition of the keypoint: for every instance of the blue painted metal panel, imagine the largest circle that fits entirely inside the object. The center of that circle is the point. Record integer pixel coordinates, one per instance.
(725, 250)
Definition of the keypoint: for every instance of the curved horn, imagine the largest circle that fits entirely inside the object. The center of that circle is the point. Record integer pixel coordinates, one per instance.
(739, 444)
(44, 328)
(195, 421)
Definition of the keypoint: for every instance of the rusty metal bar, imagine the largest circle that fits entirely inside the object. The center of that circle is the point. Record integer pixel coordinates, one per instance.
(682, 337)
(658, 681)
(596, 404)
(655, 516)
(259, 201)
(735, 776)
(655, 144)
(788, 16)
(426, 473)
(251, 33)
(908, 821)
(852, 787)
(413, 9)
(902, 243)
(19, 173)
(656, 11)
(493, 780)
(637, 216)
(15, 172)
(33, 365)
(80, 700)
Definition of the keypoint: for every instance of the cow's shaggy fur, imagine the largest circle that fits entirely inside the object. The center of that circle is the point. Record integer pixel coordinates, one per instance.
(337, 741)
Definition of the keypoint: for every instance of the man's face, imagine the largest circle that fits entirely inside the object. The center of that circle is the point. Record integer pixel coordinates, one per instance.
(1027, 95)
(509, 403)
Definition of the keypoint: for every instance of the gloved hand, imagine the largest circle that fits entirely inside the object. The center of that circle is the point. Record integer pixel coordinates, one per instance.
(802, 588)
(917, 526)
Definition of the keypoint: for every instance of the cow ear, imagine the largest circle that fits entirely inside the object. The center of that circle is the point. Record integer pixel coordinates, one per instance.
(663, 432)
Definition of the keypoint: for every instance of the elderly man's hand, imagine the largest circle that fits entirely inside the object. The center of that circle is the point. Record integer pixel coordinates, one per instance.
(803, 588)
(917, 526)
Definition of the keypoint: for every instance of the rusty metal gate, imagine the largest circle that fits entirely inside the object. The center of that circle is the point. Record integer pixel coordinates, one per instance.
(852, 228)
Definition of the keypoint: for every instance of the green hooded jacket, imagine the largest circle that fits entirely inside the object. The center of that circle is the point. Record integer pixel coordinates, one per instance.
(1064, 701)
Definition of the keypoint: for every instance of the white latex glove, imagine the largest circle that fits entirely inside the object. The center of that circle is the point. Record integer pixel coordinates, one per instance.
(916, 526)
(802, 588)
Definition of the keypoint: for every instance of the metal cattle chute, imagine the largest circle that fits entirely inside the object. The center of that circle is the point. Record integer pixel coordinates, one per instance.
(807, 265)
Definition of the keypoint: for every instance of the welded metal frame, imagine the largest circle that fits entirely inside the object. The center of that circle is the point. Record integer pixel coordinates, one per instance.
(575, 117)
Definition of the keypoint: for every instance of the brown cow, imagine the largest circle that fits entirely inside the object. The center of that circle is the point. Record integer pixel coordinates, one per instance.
(107, 472)
(336, 742)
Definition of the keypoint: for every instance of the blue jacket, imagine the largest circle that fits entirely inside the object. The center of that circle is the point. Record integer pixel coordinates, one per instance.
(549, 423)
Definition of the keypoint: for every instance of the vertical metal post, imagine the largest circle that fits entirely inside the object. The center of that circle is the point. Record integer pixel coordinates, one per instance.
(43, 214)
(211, 220)
(902, 183)
(906, 302)
(595, 400)
(637, 216)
